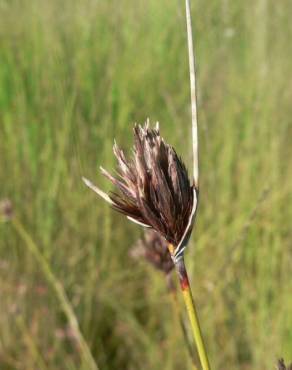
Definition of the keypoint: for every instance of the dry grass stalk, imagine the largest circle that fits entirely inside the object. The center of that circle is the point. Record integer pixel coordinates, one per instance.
(193, 95)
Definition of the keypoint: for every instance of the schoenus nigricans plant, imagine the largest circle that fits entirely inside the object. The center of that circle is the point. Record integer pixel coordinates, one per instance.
(153, 190)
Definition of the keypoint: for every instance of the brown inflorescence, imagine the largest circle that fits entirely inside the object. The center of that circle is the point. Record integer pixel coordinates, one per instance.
(153, 248)
(282, 366)
(153, 186)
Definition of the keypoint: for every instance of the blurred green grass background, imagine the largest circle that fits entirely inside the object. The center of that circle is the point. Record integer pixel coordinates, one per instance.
(74, 75)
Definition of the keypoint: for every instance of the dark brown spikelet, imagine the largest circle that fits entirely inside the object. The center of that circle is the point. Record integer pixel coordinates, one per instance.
(6, 209)
(282, 366)
(153, 186)
(154, 249)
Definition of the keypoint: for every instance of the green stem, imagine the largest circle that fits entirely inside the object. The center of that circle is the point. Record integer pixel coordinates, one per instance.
(192, 313)
(176, 308)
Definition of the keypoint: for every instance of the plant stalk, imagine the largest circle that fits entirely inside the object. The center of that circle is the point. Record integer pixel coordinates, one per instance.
(192, 313)
(59, 290)
(193, 89)
(176, 308)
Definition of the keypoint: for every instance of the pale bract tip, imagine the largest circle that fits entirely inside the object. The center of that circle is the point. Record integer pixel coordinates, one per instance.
(98, 191)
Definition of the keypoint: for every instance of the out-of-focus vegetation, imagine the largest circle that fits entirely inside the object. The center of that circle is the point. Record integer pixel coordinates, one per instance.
(74, 75)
